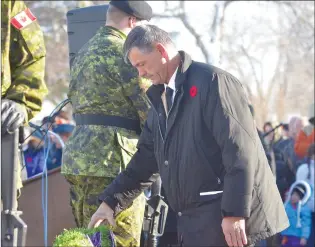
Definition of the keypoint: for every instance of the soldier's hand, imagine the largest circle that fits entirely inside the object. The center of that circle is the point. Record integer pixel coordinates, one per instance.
(13, 116)
(103, 214)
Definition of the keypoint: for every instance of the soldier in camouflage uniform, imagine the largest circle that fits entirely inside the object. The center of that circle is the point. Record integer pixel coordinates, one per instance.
(22, 67)
(102, 86)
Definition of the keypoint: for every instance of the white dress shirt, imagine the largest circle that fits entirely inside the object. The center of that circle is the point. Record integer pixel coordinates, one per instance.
(171, 84)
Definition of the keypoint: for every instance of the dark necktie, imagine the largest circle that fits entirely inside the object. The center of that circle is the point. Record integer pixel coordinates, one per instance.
(169, 97)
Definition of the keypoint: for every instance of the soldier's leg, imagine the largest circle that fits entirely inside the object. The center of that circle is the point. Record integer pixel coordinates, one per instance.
(77, 188)
(128, 223)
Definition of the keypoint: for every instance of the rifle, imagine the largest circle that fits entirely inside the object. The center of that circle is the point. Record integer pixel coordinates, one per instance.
(154, 215)
(14, 228)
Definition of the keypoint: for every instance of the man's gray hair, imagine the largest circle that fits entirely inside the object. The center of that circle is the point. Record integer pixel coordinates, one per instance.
(143, 37)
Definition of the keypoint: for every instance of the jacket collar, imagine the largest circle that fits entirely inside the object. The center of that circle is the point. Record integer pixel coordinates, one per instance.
(109, 30)
(154, 92)
(185, 63)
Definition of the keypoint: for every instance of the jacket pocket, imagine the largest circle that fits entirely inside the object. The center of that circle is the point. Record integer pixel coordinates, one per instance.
(210, 196)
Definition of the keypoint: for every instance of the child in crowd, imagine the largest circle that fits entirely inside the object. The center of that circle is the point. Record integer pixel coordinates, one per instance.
(306, 172)
(55, 154)
(299, 214)
(34, 155)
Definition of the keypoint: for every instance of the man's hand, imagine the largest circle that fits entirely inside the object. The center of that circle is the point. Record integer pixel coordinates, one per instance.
(234, 231)
(303, 241)
(103, 213)
(13, 116)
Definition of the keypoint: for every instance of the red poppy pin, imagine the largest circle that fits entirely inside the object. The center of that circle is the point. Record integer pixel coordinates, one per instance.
(193, 91)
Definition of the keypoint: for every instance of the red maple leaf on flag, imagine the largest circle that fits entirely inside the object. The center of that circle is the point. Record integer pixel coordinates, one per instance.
(23, 19)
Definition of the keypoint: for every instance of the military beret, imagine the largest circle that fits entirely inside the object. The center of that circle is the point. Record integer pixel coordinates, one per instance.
(139, 9)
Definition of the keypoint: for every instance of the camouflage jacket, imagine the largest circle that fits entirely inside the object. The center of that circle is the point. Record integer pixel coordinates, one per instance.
(102, 83)
(22, 58)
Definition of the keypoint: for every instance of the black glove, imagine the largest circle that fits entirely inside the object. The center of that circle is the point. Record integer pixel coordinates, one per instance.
(13, 116)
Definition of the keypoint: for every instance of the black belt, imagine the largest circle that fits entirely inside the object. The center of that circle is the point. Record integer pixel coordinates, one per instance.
(106, 120)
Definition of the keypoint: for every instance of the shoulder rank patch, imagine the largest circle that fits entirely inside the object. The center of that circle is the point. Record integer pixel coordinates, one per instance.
(23, 19)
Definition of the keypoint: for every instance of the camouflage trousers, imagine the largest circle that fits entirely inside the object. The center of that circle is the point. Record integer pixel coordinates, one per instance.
(84, 192)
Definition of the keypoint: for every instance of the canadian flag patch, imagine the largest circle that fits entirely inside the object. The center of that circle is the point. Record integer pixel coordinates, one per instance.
(23, 19)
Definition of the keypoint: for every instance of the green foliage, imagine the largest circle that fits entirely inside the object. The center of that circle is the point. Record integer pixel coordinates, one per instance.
(77, 237)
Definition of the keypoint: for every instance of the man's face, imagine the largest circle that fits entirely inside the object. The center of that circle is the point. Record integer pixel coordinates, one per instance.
(152, 66)
(284, 132)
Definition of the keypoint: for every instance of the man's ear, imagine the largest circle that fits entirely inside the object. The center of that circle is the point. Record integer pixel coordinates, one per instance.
(132, 21)
(162, 50)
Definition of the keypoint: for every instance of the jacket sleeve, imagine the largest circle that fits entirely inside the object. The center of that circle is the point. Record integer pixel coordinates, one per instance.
(134, 88)
(306, 222)
(228, 116)
(135, 91)
(140, 173)
(27, 62)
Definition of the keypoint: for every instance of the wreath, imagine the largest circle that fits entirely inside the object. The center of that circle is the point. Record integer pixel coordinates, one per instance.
(82, 237)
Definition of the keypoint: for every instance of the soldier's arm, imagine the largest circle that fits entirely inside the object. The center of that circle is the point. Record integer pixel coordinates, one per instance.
(27, 62)
(134, 88)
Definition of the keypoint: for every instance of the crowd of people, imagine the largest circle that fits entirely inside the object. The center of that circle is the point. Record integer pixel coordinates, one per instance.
(290, 150)
(43, 147)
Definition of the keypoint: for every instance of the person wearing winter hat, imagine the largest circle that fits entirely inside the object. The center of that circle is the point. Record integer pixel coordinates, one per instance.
(306, 136)
(34, 154)
(299, 214)
(64, 131)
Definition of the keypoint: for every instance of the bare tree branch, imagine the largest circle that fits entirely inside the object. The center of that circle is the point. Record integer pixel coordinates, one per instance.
(167, 16)
(183, 17)
(216, 36)
(288, 4)
(226, 4)
(251, 63)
